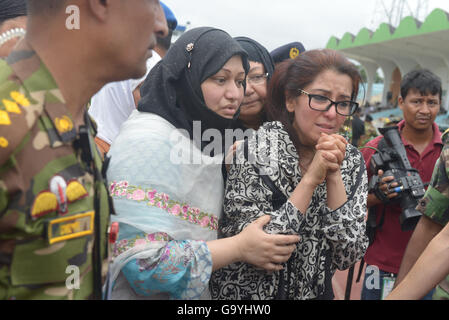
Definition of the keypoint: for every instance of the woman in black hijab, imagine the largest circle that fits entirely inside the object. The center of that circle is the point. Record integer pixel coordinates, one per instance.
(195, 57)
(166, 179)
(252, 113)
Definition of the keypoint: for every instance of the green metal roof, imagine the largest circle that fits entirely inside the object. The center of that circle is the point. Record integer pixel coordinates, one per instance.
(437, 20)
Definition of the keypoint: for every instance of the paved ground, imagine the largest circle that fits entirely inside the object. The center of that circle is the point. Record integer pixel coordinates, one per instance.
(339, 283)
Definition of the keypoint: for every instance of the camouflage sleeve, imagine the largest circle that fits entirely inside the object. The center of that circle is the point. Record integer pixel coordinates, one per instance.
(435, 203)
(17, 115)
(13, 135)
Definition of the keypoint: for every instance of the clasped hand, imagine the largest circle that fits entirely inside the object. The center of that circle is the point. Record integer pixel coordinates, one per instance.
(330, 153)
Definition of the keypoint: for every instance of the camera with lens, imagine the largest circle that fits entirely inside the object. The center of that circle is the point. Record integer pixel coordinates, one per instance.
(392, 160)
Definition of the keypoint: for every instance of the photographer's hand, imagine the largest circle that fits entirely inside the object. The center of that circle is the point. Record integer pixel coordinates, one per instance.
(386, 186)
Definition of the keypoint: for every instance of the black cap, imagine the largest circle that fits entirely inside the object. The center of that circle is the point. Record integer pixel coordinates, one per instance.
(288, 51)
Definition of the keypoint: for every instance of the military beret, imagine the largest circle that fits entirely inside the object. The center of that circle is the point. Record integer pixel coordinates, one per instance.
(10, 9)
(288, 51)
(170, 16)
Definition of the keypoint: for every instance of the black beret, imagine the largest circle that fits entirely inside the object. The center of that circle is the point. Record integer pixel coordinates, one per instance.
(10, 9)
(288, 51)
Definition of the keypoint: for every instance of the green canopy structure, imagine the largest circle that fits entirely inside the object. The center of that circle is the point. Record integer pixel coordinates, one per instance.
(413, 44)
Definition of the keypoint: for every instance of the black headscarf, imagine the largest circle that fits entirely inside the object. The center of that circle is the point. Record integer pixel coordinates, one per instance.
(257, 53)
(172, 89)
(10, 9)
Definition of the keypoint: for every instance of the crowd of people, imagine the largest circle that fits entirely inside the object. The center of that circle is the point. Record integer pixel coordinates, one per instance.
(207, 168)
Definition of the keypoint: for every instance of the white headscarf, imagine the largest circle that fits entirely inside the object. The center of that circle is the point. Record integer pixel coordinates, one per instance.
(113, 104)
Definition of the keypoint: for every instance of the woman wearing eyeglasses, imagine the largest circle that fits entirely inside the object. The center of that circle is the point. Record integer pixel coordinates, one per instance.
(252, 113)
(308, 178)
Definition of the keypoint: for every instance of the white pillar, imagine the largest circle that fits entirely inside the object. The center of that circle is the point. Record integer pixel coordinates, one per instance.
(371, 69)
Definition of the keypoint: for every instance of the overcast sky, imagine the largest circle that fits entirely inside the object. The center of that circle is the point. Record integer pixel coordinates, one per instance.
(277, 22)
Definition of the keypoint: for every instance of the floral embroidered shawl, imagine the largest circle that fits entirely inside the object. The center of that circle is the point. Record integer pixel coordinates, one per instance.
(159, 193)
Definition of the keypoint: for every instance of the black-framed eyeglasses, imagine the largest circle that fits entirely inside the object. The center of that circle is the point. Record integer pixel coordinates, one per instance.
(321, 103)
(257, 78)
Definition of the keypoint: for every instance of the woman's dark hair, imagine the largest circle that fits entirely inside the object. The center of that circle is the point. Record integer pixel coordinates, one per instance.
(294, 74)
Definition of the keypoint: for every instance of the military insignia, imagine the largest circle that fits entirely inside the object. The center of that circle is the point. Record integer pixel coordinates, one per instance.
(73, 227)
(58, 187)
(64, 124)
(4, 142)
(44, 203)
(20, 98)
(57, 198)
(11, 106)
(294, 52)
(4, 118)
(75, 191)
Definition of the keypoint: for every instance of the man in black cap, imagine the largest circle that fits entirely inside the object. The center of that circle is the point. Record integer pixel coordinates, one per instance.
(288, 51)
(12, 24)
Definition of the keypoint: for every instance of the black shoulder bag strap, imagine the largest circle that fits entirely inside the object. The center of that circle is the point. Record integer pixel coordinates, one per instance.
(278, 199)
(85, 143)
(371, 223)
(372, 226)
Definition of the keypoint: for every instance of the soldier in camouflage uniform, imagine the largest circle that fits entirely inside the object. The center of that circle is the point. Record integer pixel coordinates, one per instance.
(435, 208)
(54, 205)
(435, 204)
